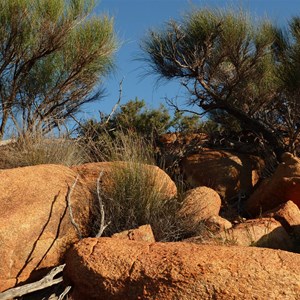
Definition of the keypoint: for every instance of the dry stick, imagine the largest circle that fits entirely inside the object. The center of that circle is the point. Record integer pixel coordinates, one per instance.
(111, 113)
(45, 282)
(101, 206)
(65, 292)
(76, 121)
(70, 208)
(117, 104)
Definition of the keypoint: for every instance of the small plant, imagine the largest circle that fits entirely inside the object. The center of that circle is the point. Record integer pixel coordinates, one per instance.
(132, 199)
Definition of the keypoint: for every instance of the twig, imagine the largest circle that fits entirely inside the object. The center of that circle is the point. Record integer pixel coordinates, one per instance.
(101, 206)
(117, 104)
(76, 121)
(45, 282)
(175, 106)
(70, 208)
(64, 293)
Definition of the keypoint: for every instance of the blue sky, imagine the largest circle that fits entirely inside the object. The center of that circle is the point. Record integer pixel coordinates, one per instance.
(132, 20)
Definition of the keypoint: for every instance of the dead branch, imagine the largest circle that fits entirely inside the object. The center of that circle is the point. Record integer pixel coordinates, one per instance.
(173, 104)
(117, 104)
(101, 207)
(76, 121)
(70, 208)
(45, 282)
(64, 293)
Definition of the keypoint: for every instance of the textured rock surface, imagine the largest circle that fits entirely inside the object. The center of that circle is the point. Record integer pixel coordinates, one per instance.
(35, 227)
(107, 269)
(183, 138)
(263, 232)
(90, 172)
(216, 224)
(284, 185)
(143, 233)
(199, 204)
(225, 172)
(288, 214)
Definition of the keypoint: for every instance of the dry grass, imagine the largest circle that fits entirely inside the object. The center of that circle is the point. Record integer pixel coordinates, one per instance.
(35, 150)
(120, 145)
(133, 199)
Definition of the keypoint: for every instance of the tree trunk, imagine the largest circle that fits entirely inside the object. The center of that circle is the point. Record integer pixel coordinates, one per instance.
(252, 124)
(3, 125)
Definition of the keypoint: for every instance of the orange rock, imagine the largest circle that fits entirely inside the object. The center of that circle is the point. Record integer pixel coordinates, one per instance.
(182, 138)
(158, 178)
(283, 186)
(263, 232)
(168, 138)
(35, 227)
(198, 205)
(217, 224)
(288, 214)
(106, 269)
(225, 172)
(189, 138)
(143, 233)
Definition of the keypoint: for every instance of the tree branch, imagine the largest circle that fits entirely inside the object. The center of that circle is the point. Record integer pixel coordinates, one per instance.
(117, 104)
(70, 208)
(101, 207)
(45, 282)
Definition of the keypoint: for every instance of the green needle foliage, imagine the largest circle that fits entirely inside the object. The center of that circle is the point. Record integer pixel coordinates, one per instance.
(249, 70)
(52, 54)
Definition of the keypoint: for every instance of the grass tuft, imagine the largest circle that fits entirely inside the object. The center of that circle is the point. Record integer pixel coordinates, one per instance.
(134, 198)
(35, 150)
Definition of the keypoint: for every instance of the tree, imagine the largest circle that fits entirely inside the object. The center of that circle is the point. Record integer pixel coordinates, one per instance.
(187, 123)
(135, 116)
(134, 131)
(51, 57)
(132, 117)
(287, 52)
(229, 64)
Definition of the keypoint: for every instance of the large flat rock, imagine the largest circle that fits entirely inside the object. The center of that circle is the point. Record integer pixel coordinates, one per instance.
(107, 268)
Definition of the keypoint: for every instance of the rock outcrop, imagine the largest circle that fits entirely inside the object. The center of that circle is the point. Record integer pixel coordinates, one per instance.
(35, 226)
(263, 232)
(142, 233)
(157, 178)
(106, 269)
(217, 224)
(183, 139)
(199, 204)
(227, 173)
(288, 214)
(282, 186)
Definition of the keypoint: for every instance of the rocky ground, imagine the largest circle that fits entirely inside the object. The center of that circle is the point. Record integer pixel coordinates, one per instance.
(249, 249)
